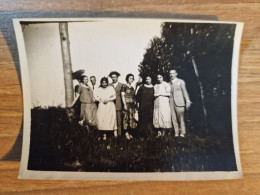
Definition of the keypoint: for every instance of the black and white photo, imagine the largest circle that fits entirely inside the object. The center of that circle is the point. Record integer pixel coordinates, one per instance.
(114, 98)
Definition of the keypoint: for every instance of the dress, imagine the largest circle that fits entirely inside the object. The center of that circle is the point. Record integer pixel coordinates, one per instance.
(162, 111)
(88, 108)
(128, 115)
(77, 104)
(106, 113)
(145, 98)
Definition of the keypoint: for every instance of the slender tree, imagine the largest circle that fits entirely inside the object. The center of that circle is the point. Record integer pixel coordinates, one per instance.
(66, 58)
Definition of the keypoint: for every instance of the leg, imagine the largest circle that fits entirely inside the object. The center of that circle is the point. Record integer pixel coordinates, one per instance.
(174, 119)
(119, 121)
(180, 115)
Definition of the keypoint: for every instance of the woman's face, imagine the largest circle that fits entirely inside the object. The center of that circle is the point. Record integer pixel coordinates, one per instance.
(104, 84)
(148, 80)
(159, 78)
(85, 80)
(131, 79)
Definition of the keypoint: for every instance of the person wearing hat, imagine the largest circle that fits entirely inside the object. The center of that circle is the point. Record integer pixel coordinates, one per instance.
(117, 86)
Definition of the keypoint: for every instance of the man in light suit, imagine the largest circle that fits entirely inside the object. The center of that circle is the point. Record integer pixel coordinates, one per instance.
(117, 86)
(179, 100)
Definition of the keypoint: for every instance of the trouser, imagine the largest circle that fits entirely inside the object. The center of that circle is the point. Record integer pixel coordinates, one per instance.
(177, 114)
(119, 122)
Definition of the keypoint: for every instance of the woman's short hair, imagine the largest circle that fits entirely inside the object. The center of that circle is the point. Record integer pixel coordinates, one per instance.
(103, 79)
(129, 75)
(82, 77)
(114, 72)
(159, 74)
(147, 76)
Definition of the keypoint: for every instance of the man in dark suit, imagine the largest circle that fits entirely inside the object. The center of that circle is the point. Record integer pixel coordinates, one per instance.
(179, 100)
(117, 86)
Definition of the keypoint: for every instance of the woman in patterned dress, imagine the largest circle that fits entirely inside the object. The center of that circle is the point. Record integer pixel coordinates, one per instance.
(127, 93)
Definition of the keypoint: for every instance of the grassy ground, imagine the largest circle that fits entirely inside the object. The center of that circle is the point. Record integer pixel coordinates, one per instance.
(59, 143)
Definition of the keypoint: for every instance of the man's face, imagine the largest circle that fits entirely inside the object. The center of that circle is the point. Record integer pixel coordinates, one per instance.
(173, 74)
(114, 78)
(93, 80)
(140, 80)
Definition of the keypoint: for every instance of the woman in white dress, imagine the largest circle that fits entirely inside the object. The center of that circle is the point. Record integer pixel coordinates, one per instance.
(162, 112)
(106, 113)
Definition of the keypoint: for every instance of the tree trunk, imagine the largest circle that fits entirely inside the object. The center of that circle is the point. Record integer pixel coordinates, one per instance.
(66, 58)
(201, 94)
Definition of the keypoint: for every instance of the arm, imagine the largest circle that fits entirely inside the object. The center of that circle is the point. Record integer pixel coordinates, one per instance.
(166, 92)
(185, 94)
(123, 100)
(123, 90)
(76, 98)
(156, 94)
(97, 97)
(113, 95)
(139, 94)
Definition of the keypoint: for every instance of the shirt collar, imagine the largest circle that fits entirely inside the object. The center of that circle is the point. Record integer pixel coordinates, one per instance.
(172, 81)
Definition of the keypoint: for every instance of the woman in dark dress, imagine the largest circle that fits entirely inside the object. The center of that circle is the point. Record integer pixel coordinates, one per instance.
(145, 99)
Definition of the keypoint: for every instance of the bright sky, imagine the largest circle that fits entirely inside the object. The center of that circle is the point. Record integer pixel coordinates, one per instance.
(103, 46)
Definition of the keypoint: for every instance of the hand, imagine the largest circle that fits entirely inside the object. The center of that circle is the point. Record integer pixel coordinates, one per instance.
(105, 101)
(188, 104)
(125, 107)
(70, 106)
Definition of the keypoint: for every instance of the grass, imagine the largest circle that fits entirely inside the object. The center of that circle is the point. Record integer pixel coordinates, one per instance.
(59, 143)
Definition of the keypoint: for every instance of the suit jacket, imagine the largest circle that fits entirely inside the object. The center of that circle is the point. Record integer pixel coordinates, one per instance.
(179, 95)
(118, 95)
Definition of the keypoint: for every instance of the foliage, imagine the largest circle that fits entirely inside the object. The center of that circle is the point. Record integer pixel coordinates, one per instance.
(59, 143)
(210, 46)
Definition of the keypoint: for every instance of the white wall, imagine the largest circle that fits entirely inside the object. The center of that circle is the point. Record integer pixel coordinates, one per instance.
(44, 56)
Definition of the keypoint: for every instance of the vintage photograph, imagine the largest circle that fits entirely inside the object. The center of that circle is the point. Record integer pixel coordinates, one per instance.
(114, 98)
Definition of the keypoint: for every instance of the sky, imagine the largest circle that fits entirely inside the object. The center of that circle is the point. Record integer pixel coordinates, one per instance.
(103, 46)
(98, 47)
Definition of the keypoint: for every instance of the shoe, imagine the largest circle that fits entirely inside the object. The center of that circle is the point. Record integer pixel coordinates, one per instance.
(115, 134)
(127, 136)
(182, 135)
(81, 122)
(176, 135)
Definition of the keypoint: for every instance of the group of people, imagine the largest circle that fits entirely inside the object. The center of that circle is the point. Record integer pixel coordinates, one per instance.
(143, 110)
